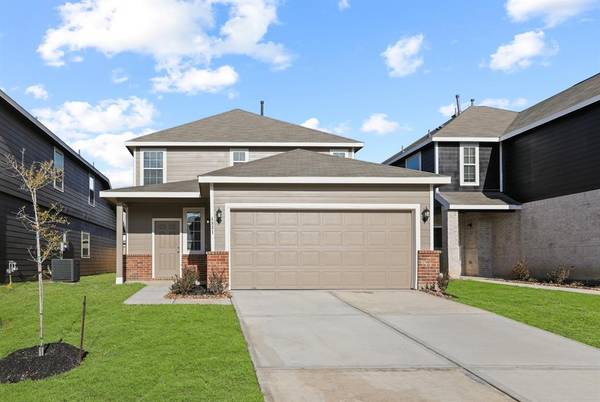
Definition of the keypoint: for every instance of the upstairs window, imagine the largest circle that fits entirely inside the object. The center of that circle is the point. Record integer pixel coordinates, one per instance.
(469, 164)
(153, 170)
(85, 245)
(239, 155)
(59, 164)
(342, 153)
(92, 190)
(414, 162)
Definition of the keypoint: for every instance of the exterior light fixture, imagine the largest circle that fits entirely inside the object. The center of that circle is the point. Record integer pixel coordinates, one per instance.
(219, 215)
(425, 214)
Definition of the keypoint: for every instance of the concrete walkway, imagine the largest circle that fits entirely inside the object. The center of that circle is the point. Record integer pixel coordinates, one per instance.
(405, 345)
(532, 285)
(154, 293)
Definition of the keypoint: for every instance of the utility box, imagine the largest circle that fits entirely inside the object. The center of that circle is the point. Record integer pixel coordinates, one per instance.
(65, 270)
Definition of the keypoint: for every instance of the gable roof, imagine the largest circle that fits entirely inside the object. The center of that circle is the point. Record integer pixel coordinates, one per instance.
(302, 166)
(238, 127)
(493, 124)
(53, 137)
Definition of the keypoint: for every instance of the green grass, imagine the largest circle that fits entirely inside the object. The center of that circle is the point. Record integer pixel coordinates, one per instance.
(573, 315)
(152, 353)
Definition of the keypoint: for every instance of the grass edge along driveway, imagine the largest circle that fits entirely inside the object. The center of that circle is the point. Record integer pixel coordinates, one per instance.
(572, 315)
(159, 352)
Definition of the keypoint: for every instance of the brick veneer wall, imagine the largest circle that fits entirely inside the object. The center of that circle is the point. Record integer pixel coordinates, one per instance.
(428, 267)
(217, 262)
(137, 267)
(195, 262)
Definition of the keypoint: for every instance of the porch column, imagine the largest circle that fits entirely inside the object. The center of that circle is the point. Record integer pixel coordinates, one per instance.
(451, 261)
(119, 245)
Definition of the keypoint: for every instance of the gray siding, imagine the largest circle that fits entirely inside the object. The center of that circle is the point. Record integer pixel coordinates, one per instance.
(427, 158)
(186, 163)
(359, 194)
(558, 158)
(17, 133)
(489, 166)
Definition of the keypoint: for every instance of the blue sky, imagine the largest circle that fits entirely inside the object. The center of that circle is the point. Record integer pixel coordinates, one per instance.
(101, 72)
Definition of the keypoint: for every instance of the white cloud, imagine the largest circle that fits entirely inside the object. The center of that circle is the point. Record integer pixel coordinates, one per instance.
(378, 123)
(525, 49)
(448, 110)
(315, 124)
(193, 80)
(404, 57)
(552, 11)
(343, 4)
(179, 35)
(37, 91)
(79, 119)
(118, 76)
(504, 103)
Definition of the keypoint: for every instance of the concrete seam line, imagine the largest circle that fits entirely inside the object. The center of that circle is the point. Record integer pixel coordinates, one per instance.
(432, 349)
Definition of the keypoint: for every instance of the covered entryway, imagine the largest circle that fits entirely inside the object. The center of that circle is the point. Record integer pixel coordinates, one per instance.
(322, 249)
(166, 246)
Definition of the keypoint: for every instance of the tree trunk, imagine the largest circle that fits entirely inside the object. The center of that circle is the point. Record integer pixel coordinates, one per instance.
(40, 276)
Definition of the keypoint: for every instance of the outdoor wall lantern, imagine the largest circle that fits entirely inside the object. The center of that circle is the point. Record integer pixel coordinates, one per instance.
(219, 215)
(425, 215)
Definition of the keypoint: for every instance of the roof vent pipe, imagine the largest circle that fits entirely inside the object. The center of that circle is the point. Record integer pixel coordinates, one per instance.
(472, 101)
(262, 107)
(457, 104)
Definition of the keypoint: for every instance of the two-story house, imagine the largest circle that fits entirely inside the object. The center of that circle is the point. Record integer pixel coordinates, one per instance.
(273, 205)
(90, 234)
(525, 186)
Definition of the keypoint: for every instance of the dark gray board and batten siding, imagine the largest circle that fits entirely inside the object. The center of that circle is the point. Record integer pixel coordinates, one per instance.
(427, 159)
(489, 166)
(558, 158)
(17, 133)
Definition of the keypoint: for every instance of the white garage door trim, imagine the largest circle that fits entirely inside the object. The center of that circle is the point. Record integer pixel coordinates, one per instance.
(414, 208)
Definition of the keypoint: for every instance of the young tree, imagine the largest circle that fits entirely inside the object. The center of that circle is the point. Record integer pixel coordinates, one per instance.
(43, 222)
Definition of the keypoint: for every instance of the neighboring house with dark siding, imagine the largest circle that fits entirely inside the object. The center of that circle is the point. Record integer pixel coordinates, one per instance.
(90, 234)
(524, 185)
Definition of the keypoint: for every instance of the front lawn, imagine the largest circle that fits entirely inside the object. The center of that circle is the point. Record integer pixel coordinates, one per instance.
(573, 315)
(154, 353)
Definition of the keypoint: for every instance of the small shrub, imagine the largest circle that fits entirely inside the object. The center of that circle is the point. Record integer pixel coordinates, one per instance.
(560, 275)
(520, 271)
(217, 283)
(186, 284)
(442, 282)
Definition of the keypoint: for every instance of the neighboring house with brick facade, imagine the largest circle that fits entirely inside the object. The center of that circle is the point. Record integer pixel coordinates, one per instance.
(524, 185)
(90, 235)
(272, 205)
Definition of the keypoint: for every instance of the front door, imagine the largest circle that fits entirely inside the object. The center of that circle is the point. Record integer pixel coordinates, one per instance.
(167, 259)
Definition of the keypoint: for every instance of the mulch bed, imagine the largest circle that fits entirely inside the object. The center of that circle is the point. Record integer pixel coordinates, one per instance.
(225, 295)
(25, 364)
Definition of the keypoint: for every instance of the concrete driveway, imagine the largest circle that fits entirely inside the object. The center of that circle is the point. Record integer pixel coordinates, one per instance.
(405, 345)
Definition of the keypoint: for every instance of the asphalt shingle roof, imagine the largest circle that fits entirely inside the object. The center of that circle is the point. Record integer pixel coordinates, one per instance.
(240, 126)
(303, 163)
(492, 198)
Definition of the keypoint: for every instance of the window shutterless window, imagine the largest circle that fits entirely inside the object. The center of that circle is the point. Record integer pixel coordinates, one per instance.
(342, 153)
(239, 156)
(414, 162)
(85, 245)
(469, 164)
(59, 165)
(153, 168)
(92, 190)
(194, 230)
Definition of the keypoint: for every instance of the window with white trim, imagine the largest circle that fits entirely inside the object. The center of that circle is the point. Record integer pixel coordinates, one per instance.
(414, 162)
(469, 164)
(59, 165)
(193, 235)
(239, 155)
(91, 190)
(153, 169)
(85, 245)
(342, 153)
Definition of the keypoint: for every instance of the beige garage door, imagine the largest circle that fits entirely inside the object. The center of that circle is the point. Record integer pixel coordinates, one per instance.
(321, 249)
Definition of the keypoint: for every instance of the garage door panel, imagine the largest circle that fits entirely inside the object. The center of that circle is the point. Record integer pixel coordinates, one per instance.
(321, 249)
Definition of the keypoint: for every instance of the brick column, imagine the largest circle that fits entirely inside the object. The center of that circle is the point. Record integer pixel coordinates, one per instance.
(217, 262)
(451, 263)
(428, 267)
